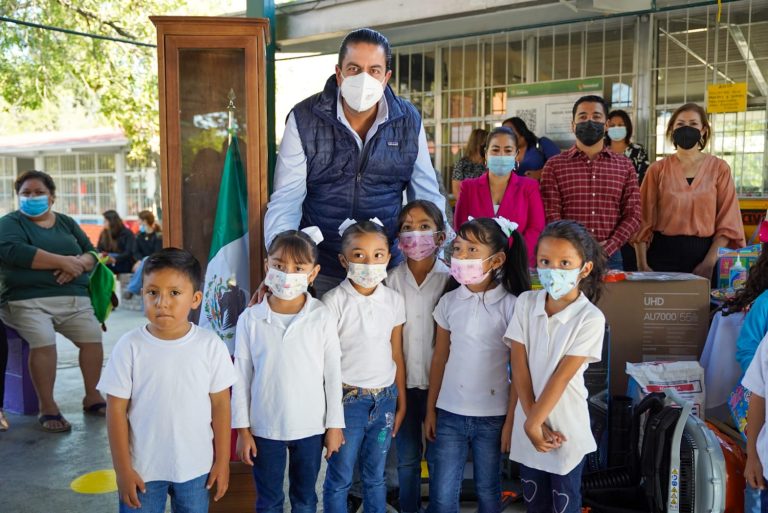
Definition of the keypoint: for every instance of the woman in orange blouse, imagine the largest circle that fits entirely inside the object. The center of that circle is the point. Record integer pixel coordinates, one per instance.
(690, 209)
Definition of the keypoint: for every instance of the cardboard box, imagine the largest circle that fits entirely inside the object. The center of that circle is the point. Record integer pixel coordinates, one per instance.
(727, 257)
(655, 316)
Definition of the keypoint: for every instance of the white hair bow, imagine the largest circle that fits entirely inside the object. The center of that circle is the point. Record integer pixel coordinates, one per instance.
(507, 226)
(349, 222)
(346, 224)
(314, 233)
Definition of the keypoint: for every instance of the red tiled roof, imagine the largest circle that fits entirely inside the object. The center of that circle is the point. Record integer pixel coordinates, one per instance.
(44, 140)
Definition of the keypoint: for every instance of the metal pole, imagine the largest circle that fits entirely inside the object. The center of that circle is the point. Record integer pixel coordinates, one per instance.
(266, 9)
(530, 59)
(644, 104)
(121, 190)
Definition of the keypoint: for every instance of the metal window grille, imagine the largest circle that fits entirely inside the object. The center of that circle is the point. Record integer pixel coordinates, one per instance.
(85, 183)
(7, 177)
(694, 51)
(462, 84)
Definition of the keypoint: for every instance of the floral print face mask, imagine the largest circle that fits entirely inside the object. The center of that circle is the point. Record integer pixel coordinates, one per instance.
(366, 275)
(286, 286)
(558, 282)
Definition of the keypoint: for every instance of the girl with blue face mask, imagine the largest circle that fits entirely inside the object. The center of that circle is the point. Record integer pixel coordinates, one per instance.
(554, 334)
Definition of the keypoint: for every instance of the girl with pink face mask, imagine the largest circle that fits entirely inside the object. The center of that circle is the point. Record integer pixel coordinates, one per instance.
(421, 281)
(471, 400)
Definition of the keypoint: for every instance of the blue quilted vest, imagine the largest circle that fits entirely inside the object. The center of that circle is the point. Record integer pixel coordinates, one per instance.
(344, 182)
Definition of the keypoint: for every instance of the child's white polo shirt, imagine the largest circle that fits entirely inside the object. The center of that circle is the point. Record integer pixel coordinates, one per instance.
(755, 380)
(365, 325)
(168, 383)
(419, 329)
(476, 378)
(578, 330)
(289, 373)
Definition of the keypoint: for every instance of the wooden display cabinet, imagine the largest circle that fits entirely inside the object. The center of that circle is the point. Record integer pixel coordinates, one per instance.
(200, 59)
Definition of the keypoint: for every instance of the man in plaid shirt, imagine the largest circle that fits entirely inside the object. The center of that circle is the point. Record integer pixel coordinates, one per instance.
(592, 185)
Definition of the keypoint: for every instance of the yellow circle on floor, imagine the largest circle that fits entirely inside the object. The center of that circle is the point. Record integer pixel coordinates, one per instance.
(100, 481)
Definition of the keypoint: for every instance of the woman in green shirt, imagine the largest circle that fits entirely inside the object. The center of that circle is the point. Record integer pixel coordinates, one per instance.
(44, 265)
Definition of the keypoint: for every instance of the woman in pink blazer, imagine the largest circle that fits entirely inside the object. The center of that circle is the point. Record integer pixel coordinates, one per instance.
(501, 192)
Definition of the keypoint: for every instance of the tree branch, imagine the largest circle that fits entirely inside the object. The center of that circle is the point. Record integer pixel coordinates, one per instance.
(88, 15)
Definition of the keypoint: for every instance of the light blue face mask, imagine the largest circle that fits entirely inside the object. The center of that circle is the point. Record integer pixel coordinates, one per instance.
(501, 165)
(558, 282)
(33, 206)
(617, 133)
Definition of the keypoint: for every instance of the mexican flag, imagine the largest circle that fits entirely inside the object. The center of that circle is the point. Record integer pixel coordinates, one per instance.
(227, 280)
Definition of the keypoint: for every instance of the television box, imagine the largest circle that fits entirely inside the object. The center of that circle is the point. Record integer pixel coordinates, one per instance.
(654, 316)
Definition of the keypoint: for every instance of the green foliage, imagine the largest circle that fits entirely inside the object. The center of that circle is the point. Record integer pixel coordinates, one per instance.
(39, 67)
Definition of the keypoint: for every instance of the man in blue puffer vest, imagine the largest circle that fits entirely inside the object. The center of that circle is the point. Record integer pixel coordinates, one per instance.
(349, 152)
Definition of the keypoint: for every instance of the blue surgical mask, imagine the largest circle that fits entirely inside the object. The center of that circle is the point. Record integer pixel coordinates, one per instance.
(617, 133)
(33, 206)
(558, 282)
(501, 165)
(142, 229)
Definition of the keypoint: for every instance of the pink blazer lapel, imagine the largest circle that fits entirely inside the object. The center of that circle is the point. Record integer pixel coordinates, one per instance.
(485, 207)
(508, 200)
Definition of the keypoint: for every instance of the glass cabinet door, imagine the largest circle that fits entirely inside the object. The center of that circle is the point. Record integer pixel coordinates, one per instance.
(205, 78)
(202, 60)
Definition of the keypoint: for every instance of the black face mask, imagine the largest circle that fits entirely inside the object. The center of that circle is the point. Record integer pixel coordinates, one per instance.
(590, 132)
(686, 137)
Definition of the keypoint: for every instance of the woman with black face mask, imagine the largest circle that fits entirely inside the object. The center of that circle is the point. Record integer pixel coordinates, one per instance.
(690, 209)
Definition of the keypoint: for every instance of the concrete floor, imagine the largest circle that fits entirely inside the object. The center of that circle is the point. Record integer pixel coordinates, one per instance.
(37, 468)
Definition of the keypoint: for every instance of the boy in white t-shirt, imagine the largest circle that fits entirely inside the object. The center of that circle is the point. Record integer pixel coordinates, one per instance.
(167, 386)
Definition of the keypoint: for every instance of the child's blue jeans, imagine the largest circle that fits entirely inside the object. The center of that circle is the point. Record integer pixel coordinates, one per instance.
(369, 420)
(753, 500)
(455, 434)
(269, 472)
(188, 497)
(545, 492)
(409, 450)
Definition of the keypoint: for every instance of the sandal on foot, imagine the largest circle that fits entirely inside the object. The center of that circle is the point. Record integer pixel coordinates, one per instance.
(45, 421)
(3, 422)
(97, 409)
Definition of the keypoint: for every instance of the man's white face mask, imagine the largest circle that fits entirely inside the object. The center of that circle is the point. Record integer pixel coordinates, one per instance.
(361, 91)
